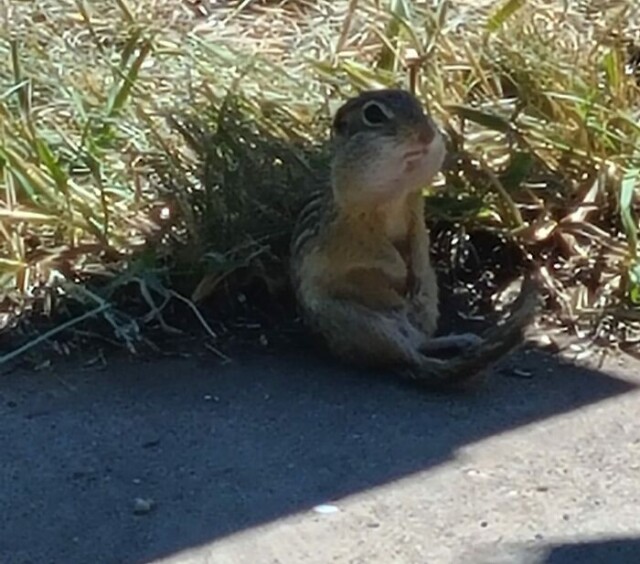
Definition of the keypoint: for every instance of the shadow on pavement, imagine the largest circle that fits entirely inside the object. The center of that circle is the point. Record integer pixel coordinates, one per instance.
(614, 551)
(223, 448)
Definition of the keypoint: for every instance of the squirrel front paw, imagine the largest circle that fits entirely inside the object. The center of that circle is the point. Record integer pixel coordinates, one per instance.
(455, 343)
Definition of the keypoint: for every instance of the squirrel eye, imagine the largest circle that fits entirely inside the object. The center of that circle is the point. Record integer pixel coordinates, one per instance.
(374, 114)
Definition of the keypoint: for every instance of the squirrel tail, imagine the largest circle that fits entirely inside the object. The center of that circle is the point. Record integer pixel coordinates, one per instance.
(497, 342)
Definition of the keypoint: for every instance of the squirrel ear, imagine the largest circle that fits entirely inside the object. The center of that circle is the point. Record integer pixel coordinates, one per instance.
(340, 123)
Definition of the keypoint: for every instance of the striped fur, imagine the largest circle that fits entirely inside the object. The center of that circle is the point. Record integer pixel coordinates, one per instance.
(309, 222)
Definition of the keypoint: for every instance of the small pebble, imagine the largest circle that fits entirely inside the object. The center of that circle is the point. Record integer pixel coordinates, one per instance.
(519, 373)
(326, 509)
(544, 342)
(142, 506)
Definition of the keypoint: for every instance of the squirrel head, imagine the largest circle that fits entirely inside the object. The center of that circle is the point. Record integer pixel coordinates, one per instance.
(385, 147)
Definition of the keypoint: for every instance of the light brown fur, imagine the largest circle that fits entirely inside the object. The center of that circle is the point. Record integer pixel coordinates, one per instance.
(361, 262)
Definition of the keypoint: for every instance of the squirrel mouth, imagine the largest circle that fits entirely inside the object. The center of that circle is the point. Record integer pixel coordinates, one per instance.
(412, 158)
(416, 153)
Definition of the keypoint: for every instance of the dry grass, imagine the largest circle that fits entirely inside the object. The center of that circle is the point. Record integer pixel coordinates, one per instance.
(163, 146)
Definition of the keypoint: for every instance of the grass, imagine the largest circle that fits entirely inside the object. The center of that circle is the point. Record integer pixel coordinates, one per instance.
(153, 154)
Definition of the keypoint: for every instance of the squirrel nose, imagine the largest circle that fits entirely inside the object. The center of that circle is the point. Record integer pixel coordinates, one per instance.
(426, 132)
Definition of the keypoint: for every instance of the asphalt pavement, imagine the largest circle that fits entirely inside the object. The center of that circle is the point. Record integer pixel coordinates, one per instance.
(287, 458)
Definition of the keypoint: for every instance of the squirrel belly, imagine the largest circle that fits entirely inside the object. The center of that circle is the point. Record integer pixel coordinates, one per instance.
(361, 290)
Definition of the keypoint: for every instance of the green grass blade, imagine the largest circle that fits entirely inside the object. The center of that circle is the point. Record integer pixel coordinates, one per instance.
(627, 192)
(121, 93)
(503, 13)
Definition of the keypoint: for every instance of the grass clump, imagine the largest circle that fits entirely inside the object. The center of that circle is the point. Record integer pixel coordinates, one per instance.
(154, 154)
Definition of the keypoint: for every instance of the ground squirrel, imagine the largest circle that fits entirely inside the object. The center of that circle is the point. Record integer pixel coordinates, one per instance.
(360, 251)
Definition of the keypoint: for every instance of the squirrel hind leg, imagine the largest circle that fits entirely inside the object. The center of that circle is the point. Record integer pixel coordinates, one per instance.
(366, 336)
(472, 363)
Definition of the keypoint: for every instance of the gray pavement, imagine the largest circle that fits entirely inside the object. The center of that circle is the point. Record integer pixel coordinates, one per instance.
(188, 461)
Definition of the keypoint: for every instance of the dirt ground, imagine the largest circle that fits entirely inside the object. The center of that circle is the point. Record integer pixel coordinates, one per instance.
(287, 458)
